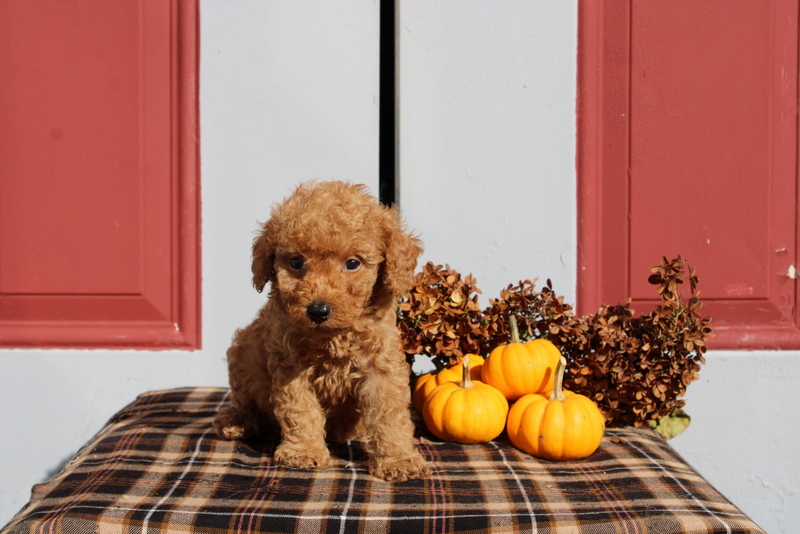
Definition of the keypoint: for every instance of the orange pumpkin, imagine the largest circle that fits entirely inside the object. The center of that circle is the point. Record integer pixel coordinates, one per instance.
(465, 412)
(428, 382)
(517, 369)
(565, 426)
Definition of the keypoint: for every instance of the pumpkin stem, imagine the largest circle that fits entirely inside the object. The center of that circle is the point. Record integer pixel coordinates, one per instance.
(466, 381)
(558, 380)
(512, 321)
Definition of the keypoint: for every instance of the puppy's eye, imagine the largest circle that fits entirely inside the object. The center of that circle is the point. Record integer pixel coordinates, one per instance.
(296, 263)
(352, 264)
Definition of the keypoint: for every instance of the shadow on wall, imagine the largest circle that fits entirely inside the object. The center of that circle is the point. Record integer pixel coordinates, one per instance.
(50, 473)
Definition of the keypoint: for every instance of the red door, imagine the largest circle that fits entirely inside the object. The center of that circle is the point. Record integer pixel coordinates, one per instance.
(688, 145)
(98, 175)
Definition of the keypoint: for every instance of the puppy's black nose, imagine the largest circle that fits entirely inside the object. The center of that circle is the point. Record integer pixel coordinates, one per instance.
(319, 312)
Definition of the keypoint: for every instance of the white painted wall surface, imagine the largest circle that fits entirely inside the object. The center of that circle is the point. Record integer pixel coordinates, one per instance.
(487, 137)
(487, 161)
(744, 433)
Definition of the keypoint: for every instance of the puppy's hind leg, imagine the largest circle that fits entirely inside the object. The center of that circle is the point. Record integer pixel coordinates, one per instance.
(240, 420)
(232, 424)
(244, 417)
(345, 423)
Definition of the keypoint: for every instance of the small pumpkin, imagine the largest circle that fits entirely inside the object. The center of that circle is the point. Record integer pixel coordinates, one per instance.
(517, 369)
(465, 412)
(428, 382)
(563, 426)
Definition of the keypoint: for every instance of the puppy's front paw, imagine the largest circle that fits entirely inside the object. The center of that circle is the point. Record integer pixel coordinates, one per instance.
(399, 469)
(303, 457)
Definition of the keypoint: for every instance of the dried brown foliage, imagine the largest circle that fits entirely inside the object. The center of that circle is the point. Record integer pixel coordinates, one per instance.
(635, 368)
(441, 316)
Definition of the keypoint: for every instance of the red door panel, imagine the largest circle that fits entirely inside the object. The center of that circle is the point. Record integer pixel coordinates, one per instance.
(98, 175)
(688, 145)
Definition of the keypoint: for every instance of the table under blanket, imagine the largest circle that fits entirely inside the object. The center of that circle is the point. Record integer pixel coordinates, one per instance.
(157, 466)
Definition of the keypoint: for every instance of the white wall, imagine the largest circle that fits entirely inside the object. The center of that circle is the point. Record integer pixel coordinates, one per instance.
(487, 137)
(744, 433)
(487, 161)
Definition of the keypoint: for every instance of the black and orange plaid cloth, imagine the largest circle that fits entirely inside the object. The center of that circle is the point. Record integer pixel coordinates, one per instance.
(158, 467)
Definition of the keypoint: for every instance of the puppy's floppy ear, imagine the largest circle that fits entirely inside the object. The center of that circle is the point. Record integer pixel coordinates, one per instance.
(401, 253)
(263, 258)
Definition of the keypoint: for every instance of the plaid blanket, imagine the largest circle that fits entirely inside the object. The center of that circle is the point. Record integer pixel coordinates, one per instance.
(158, 467)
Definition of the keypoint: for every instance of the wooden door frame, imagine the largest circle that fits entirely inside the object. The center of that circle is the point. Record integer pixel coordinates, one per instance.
(186, 109)
(602, 142)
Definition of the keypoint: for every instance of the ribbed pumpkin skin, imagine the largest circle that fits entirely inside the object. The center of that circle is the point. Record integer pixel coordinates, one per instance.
(556, 430)
(518, 369)
(473, 415)
(428, 382)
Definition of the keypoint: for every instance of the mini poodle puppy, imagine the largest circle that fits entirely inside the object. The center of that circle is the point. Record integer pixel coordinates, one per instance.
(322, 358)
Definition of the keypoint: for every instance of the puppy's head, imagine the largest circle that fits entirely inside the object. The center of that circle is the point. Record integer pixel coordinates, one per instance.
(332, 253)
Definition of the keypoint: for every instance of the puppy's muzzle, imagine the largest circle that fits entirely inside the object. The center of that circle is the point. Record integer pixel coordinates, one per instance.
(319, 312)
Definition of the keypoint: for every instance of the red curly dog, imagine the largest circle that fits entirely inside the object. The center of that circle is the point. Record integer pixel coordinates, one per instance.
(322, 358)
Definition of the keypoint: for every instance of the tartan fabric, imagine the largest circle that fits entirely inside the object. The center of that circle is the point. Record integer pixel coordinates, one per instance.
(158, 467)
